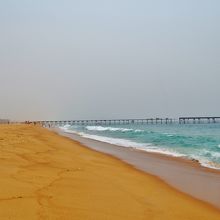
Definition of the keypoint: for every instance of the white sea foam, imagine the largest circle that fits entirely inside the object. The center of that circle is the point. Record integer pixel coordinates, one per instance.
(210, 164)
(101, 128)
(127, 143)
(148, 147)
(65, 127)
(169, 134)
(138, 130)
(213, 154)
(206, 163)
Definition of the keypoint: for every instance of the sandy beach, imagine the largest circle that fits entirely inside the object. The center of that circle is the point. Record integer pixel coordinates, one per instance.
(47, 176)
(183, 174)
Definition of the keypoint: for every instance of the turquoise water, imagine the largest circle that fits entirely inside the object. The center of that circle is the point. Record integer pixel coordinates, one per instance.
(194, 141)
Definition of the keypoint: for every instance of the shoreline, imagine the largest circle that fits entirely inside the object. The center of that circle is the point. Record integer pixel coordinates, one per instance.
(210, 165)
(183, 174)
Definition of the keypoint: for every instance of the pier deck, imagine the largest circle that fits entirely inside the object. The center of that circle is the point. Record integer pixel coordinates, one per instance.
(198, 120)
(181, 120)
(107, 122)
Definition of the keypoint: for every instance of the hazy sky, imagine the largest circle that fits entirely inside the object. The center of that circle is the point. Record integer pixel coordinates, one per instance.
(109, 59)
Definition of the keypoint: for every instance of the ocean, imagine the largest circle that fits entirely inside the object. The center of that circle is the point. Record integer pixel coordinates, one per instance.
(200, 142)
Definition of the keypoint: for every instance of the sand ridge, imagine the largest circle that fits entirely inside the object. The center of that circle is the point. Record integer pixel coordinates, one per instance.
(46, 176)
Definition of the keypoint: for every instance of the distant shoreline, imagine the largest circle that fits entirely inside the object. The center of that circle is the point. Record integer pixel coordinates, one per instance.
(185, 175)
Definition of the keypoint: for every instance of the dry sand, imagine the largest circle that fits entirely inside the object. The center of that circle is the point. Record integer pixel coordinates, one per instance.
(46, 176)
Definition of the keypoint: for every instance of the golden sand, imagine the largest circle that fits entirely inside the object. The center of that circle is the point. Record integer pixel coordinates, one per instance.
(46, 176)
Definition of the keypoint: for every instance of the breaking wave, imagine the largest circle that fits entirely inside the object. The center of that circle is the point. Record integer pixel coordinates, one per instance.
(101, 128)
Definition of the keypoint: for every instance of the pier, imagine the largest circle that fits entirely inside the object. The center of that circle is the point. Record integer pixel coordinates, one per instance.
(107, 122)
(198, 120)
(181, 120)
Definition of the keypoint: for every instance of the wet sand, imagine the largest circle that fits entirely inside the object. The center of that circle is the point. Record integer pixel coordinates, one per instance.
(47, 176)
(185, 175)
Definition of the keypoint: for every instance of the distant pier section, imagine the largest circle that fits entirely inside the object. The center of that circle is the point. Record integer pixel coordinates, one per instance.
(198, 120)
(107, 122)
